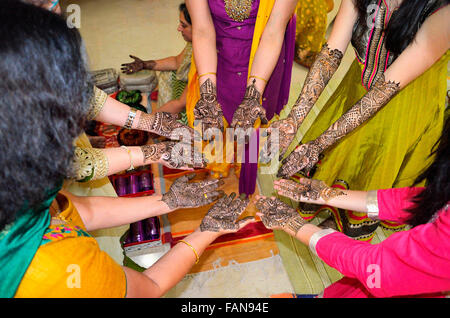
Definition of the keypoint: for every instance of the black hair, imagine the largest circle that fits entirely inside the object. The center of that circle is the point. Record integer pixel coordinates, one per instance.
(45, 92)
(183, 8)
(404, 23)
(437, 189)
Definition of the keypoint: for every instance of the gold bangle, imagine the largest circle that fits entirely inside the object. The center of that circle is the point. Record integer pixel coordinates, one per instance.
(262, 79)
(193, 249)
(210, 73)
(131, 158)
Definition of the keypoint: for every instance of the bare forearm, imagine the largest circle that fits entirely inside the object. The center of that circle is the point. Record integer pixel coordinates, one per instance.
(116, 113)
(266, 58)
(106, 212)
(271, 41)
(174, 265)
(203, 39)
(166, 64)
(175, 106)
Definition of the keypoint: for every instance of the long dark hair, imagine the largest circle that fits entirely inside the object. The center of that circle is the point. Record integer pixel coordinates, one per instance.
(183, 8)
(403, 25)
(44, 97)
(437, 191)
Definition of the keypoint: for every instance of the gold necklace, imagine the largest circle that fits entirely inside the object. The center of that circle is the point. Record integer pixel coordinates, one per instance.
(238, 10)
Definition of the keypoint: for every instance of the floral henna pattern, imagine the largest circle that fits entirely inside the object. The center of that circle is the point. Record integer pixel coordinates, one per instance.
(311, 189)
(287, 129)
(304, 157)
(277, 214)
(378, 96)
(185, 194)
(173, 155)
(224, 214)
(208, 110)
(164, 124)
(320, 73)
(250, 109)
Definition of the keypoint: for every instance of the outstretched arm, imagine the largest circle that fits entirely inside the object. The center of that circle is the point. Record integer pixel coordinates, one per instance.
(320, 73)
(94, 163)
(203, 40)
(207, 111)
(106, 212)
(170, 63)
(430, 43)
(222, 218)
(265, 60)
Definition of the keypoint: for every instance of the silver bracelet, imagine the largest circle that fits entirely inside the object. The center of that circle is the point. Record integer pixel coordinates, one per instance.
(316, 237)
(130, 119)
(372, 205)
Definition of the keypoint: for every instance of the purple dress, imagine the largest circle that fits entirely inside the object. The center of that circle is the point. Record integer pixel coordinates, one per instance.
(234, 42)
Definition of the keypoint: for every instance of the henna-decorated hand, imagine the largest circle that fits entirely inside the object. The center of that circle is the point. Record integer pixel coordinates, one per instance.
(307, 190)
(185, 194)
(249, 110)
(277, 215)
(166, 125)
(208, 110)
(304, 157)
(174, 155)
(287, 129)
(222, 217)
(137, 65)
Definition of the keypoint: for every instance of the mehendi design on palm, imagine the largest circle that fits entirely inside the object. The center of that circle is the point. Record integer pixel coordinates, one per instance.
(224, 214)
(277, 214)
(185, 194)
(250, 109)
(208, 110)
(172, 155)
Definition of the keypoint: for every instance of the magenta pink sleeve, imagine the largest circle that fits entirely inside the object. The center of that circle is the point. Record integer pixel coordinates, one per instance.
(392, 203)
(411, 262)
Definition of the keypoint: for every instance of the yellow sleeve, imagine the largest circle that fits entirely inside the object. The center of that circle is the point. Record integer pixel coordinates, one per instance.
(73, 268)
(97, 102)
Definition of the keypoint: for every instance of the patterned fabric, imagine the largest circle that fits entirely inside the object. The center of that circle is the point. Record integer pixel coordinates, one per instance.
(368, 39)
(55, 233)
(97, 102)
(90, 164)
(172, 83)
(311, 29)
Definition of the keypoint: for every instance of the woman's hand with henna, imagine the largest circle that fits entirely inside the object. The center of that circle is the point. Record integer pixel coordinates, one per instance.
(137, 65)
(277, 215)
(174, 155)
(208, 110)
(249, 110)
(166, 125)
(307, 190)
(287, 129)
(185, 194)
(304, 157)
(223, 216)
